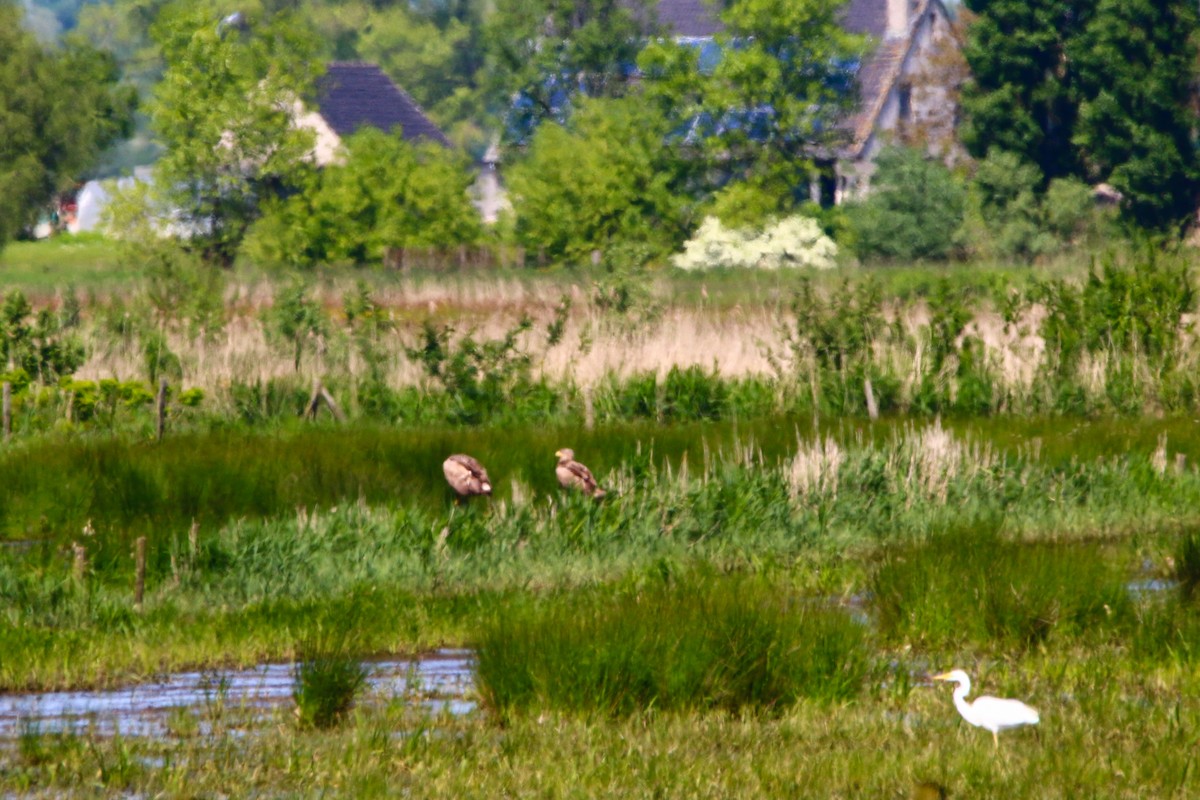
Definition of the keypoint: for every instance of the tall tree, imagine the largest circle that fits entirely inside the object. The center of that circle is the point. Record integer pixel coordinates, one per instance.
(604, 178)
(772, 102)
(224, 112)
(1021, 97)
(58, 110)
(387, 192)
(1136, 66)
(1095, 89)
(544, 53)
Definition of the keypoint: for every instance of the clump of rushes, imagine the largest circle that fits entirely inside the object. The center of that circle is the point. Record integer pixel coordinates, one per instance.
(704, 641)
(971, 585)
(328, 679)
(1187, 566)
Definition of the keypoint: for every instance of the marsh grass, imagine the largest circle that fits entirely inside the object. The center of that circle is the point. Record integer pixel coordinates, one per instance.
(1187, 566)
(935, 342)
(295, 527)
(327, 682)
(701, 642)
(1108, 730)
(973, 587)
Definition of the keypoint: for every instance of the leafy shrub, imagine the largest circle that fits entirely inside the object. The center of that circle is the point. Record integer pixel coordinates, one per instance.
(1003, 197)
(1069, 208)
(387, 192)
(913, 211)
(37, 343)
(296, 318)
(479, 377)
(794, 241)
(604, 179)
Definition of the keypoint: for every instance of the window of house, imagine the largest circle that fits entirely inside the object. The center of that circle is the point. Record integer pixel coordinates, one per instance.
(905, 113)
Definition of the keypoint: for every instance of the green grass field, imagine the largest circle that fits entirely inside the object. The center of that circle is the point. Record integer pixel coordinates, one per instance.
(752, 611)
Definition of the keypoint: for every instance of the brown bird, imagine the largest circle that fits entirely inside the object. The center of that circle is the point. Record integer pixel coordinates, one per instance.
(573, 475)
(466, 476)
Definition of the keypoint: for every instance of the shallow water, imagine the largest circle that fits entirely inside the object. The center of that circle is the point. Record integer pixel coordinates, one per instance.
(439, 682)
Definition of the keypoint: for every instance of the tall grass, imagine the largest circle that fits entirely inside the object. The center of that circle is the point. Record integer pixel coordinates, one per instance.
(701, 642)
(1107, 341)
(972, 586)
(328, 678)
(277, 542)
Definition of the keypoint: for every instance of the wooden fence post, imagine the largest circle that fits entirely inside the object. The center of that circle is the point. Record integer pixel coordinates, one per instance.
(872, 406)
(139, 584)
(80, 566)
(7, 409)
(162, 407)
(321, 395)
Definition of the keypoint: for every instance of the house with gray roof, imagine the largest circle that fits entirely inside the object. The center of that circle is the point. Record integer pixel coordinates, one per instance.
(355, 94)
(907, 84)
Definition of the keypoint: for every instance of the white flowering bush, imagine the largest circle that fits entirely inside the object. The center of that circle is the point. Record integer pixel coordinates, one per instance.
(790, 242)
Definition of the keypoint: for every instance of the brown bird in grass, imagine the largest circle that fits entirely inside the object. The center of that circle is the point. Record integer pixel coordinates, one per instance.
(466, 476)
(573, 475)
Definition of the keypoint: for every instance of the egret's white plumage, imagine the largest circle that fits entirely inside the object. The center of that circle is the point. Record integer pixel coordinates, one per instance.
(990, 713)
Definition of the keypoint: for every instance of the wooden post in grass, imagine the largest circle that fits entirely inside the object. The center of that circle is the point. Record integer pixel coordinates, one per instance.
(872, 406)
(7, 409)
(321, 395)
(139, 582)
(162, 407)
(80, 566)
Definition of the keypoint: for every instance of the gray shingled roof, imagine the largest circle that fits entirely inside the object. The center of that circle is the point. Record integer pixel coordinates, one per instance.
(689, 18)
(696, 18)
(353, 94)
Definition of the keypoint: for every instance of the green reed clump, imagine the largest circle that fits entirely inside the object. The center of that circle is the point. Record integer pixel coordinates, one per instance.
(1187, 566)
(972, 586)
(702, 642)
(328, 678)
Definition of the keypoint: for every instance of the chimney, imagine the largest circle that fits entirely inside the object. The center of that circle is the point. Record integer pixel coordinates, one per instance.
(897, 18)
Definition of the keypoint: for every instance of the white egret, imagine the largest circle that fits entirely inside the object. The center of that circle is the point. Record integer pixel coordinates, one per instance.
(991, 713)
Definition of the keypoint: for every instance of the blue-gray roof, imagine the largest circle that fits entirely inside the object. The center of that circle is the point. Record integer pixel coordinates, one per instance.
(699, 18)
(353, 94)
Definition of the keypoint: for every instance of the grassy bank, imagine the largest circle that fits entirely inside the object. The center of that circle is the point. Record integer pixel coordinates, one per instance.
(1112, 338)
(251, 579)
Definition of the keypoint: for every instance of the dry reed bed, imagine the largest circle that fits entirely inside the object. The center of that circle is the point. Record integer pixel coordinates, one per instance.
(743, 341)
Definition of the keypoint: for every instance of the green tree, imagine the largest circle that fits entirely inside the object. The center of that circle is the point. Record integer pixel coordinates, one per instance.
(604, 177)
(1136, 62)
(1020, 97)
(224, 112)
(913, 211)
(542, 53)
(772, 102)
(433, 49)
(58, 110)
(1100, 90)
(386, 193)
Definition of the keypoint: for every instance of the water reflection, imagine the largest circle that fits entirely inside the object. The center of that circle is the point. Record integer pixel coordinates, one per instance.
(441, 682)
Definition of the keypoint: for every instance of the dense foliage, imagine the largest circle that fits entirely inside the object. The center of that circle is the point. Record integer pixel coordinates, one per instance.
(224, 113)
(544, 55)
(770, 104)
(385, 192)
(605, 178)
(59, 109)
(914, 209)
(1066, 87)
